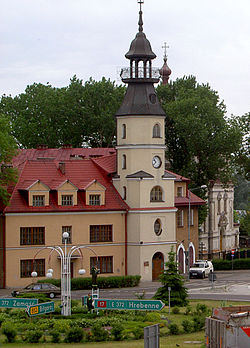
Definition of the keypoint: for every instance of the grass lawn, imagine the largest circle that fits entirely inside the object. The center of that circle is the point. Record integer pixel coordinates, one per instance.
(164, 318)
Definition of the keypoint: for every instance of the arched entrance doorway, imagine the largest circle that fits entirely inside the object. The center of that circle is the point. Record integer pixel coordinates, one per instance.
(181, 260)
(157, 265)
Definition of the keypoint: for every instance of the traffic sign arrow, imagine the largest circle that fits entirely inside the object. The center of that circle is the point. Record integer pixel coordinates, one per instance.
(41, 308)
(139, 305)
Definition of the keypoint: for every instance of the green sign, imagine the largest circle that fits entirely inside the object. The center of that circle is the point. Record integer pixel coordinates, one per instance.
(41, 308)
(17, 302)
(139, 305)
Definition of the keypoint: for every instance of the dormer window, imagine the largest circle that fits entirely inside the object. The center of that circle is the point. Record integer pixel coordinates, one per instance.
(67, 200)
(38, 200)
(95, 193)
(156, 131)
(94, 199)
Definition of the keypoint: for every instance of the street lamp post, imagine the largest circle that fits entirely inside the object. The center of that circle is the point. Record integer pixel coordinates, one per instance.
(65, 255)
(189, 214)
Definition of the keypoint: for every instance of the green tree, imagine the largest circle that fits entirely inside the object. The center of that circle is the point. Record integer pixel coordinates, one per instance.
(171, 278)
(79, 114)
(8, 175)
(200, 140)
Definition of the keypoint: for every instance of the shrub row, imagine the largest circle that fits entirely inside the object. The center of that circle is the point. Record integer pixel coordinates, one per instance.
(102, 282)
(227, 264)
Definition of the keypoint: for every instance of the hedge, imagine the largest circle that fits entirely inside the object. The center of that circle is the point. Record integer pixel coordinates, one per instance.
(227, 264)
(102, 282)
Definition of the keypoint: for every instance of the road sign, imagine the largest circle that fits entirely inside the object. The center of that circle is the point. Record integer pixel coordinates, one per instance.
(139, 305)
(41, 308)
(17, 302)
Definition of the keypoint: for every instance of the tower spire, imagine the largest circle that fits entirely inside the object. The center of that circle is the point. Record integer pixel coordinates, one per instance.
(140, 23)
(165, 71)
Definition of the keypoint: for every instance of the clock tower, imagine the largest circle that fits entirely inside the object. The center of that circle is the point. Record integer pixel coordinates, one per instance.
(141, 178)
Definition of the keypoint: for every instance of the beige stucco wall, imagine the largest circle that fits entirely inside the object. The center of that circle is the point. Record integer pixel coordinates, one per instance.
(53, 236)
(143, 243)
(139, 130)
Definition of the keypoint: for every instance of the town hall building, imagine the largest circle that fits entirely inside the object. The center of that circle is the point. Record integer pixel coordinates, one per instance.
(121, 205)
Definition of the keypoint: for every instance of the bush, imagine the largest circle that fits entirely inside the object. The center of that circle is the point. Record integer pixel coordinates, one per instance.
(75, 334)
(188, 310)
(199, 322)
(176, 310)
(173, 329)
(227, 264)
(55, 336)
(102, 282)
(116, 331)
(41, 297)
(33, 336)
(9, 331)
(187, 326)
(138, 333)
(99, 334)
(201, 309)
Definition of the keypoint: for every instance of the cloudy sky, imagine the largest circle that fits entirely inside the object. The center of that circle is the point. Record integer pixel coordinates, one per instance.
(51, 40)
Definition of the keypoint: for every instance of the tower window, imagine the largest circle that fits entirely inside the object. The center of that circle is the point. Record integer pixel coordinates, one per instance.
(124, 131)
(179, 191)
(156, 131)
(157, 227)
(124, 162)
(156, 194)
(124, 192)
(180, 218)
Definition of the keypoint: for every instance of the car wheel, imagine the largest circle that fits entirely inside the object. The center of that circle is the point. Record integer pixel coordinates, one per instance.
(51, 295)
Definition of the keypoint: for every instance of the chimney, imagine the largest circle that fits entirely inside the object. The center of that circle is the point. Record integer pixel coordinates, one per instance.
(67, 146)
(62, 167)
(42, 147)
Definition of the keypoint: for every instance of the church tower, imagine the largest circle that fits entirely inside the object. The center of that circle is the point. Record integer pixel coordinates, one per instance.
(141, 178)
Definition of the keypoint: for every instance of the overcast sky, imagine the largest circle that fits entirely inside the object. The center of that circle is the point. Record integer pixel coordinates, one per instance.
(51, 40)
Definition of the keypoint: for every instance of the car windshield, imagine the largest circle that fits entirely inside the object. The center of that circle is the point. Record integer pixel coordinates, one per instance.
(198, 265)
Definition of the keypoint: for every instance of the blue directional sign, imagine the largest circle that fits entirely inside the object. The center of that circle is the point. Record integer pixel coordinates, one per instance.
(139, 305)
(17, 302)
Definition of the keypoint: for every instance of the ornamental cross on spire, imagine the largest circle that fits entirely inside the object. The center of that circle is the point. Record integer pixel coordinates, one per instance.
(140, 15)
(140, 2)
(165, 49)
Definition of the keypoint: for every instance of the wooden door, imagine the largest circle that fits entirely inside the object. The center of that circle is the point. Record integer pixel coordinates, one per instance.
(191, 255)
(157, 265)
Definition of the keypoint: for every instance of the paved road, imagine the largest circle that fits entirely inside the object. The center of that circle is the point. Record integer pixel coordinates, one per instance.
(230, 285)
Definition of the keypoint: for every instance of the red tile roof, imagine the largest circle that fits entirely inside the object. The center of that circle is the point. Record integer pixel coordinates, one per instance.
(184, 201)
(61, 154)
(79, 172)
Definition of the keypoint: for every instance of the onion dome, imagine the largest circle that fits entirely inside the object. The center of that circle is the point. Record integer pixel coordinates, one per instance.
(165, 71)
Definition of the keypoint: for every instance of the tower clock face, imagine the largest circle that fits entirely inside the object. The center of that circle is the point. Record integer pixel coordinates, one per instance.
(156, 162)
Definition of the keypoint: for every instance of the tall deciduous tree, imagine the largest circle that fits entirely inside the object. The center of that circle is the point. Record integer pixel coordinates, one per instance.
(8, 175)
(200, 140)
(79, 114)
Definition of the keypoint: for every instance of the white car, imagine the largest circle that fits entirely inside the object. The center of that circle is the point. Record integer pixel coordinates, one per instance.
(201, 269)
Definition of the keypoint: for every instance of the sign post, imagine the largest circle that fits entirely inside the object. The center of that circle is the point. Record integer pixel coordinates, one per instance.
(139, 305)
(169, 291)
(41, 308)
(17, 302)
(232, 259)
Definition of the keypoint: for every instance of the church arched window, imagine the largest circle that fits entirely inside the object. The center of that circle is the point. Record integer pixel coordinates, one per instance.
(156, 131)
(156, 194)
(124, 131)
(124, 162)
